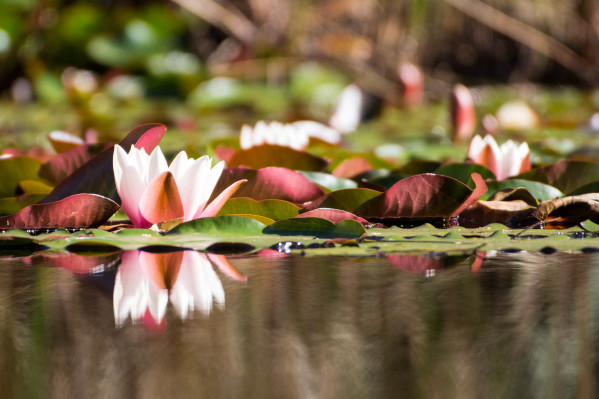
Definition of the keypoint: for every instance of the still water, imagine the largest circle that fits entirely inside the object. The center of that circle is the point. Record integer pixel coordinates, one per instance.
(186, 325)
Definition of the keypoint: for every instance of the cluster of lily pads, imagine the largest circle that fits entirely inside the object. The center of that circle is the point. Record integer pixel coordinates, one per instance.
(274, 192)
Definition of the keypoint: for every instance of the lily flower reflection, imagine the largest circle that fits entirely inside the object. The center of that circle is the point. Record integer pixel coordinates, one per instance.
(146, 282)
(153, 192)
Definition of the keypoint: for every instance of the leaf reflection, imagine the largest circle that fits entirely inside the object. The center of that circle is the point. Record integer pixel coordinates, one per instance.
(146, 282)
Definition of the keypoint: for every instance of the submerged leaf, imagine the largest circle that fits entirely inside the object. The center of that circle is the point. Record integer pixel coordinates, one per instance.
(74, 212)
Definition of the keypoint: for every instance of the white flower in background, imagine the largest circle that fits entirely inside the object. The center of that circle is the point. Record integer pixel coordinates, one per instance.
(516, 115)
(507, 160)
(347, 114)
(295, 135)
(274, 133)
(152, 192)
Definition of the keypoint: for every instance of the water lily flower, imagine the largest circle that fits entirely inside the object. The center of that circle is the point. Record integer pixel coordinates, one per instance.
(463, 114)
(516, 115)
(504, 161)
(295, 135)
(152, 192)
(146, 282)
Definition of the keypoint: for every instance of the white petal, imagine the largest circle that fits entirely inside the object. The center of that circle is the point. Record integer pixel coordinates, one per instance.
(245, 137)
(156, 164)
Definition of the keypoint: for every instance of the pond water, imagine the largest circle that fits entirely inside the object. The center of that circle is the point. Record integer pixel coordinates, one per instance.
(514, 325)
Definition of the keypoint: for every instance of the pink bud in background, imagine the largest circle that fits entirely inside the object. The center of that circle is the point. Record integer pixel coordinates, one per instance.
(463, 115)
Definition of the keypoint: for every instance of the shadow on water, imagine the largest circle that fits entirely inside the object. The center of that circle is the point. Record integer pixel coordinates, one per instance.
(186, 324)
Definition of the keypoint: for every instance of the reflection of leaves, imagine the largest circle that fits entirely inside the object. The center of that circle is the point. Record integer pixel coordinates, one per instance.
(96, 175)
(76, 211)
(273, 155)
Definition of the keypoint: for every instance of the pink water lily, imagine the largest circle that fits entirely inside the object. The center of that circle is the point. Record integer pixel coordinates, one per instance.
(152, 191)
(507, 160)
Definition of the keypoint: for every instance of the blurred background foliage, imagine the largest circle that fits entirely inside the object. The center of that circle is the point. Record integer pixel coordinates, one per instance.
(283, 59)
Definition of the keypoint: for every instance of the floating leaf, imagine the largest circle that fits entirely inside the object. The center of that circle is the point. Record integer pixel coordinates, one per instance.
(540, 191)
(273, 209)
(15, 170)
(10, 205)
(34, 187)
(334, 215)
(96, 175)
(513, 194)
(270, 183)
(74, 212)
(425, 195)
(565, 175)
(316, 227)
(463, 171)
(346, 200)
(266, 155)
(351, 167)
(65, 163)
(328, 181)
(219, 226)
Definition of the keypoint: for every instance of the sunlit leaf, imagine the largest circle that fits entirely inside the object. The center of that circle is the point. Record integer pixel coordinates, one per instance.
(14, 170)
(346, 200)
(334, 215)
(425, 195)
(273, 209)
(76, 211)
(541, 191)
(270, 183)
(273, 155)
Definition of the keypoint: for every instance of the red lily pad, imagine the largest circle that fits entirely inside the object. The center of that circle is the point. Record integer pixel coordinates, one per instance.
(74, 212)
(266, 155)
(96, 175)
(564, 175)
(65, 163)
(424, 195)
(270, 183)
(351, 167)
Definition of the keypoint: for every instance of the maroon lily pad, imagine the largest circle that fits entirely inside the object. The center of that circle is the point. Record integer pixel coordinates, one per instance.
(334, 215)
(74, 212)
(564, 175)
(65, 163)
(351, 167)
(266, 155)
(96, 175)
(270, 183)
(424, 195)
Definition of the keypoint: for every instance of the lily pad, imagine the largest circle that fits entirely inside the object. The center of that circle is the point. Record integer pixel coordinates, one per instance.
(463, 171)
(96, 175)
(74, 212)
(316, 227)
(273, 209)
(565, 175)
(273, 155)
(424, 195)
(270, 183)
(14, 170)
(65, 163)
(346, 200)
(540, 191)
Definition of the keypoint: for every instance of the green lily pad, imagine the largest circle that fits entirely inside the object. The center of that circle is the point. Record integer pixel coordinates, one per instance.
(273, 209)
(540, 191)
(316, 227)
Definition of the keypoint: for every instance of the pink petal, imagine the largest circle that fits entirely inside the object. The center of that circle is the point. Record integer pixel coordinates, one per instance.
(214, 207)
(161, 201)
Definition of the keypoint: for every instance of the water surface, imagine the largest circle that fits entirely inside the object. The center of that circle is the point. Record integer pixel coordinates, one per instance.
(516, 325)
